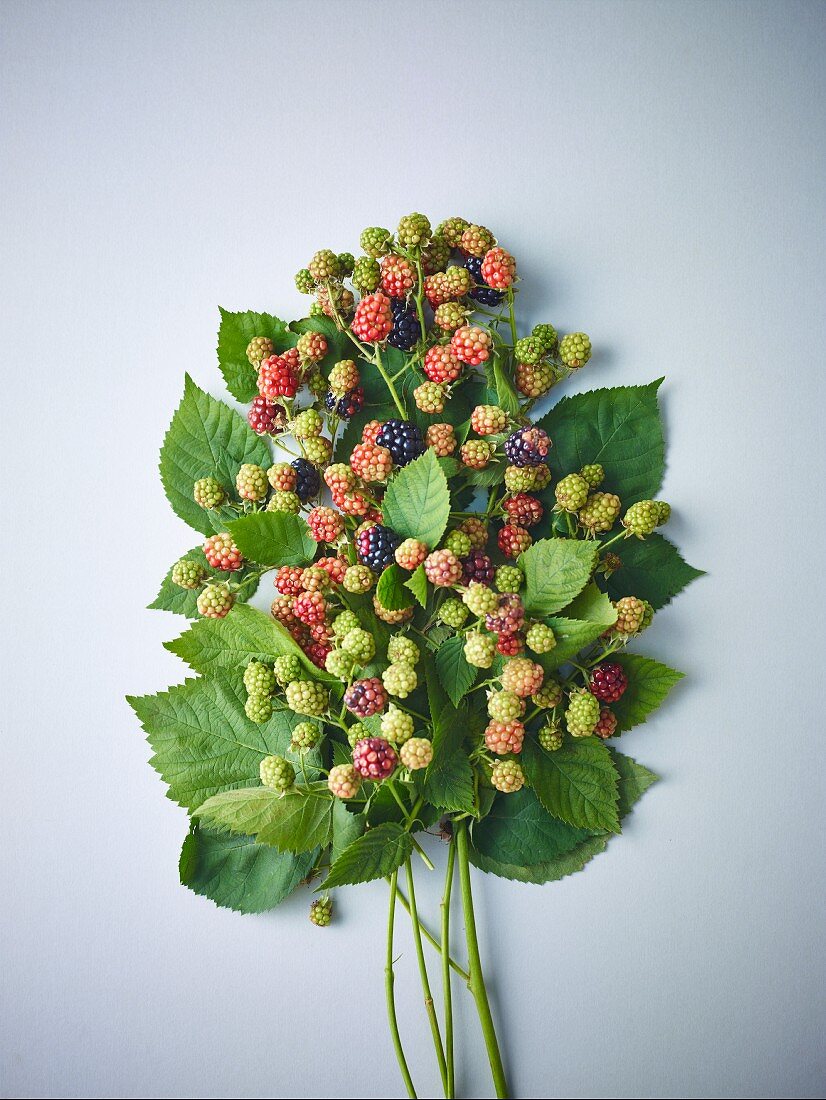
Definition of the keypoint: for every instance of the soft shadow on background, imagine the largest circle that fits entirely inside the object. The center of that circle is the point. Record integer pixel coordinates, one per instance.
(657, 169)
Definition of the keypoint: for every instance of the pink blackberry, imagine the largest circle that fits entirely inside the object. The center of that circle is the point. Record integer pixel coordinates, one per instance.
(222, 553)
(366, 697)
(608, 681)
(374, 758)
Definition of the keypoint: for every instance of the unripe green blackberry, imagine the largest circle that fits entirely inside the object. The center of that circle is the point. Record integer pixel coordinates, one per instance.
(509, 578)
(600, 511)
(631, 613)
(435, 255)
(507, 776)
(400, 679)
(339, 664)
(641, 518)
(258, 348)
(316, 310)
(450, 316)
(522, 676)
(307, 697)
(344, 622)
(453, 613)
(284, 502)
(526, 479)
(357, 732)
(459, 543)
(575, 349)
(549, 695)
(550, 737)
(429, 397)
(413, 231)
(258, 708)
(324, 265)
(534, 379)
(480, 649)
(304, 282)
(401, 649)
(476, 240)
(451, 229)
(315, 579)
(594, 474)
(321, 912)
(416, 753)
(488, 420)
(259, 679)
(529, 350)
(346, 262)
(344, 377)
(571, 493)
(306, 735)
(582, 714)
(540, 638)
(396, 725)
(318, 450)
(504, 706)
(307, 424)
(188, 574)
(547, 337)
(664, 512)
(477, 453)
(277, 773)
(358, 579)
(344, 781)
(287, 668)
(648, 615)
(359, 644)
(480, 599)
(251, 482)
(215, 601)
(208, 492)
(282, 477)
(375, 241)
(316, 383)
(366, 275)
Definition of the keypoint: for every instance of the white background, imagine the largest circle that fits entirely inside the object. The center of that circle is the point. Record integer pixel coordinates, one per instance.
(658, 171)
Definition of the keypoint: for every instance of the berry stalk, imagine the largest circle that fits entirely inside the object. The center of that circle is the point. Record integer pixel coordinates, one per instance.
(447, 994)
(428, 996)
(389, 382)
(476, 985)
(389, 982)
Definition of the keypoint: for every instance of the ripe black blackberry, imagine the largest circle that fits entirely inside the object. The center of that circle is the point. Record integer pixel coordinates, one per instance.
(346, 406)
(308, 479)
(402, 439)
(482, 293)
(405, 326)
(376, 547)
(477, 566)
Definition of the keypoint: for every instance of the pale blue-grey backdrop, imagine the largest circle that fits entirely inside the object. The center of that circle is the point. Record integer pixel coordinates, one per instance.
(658, 170)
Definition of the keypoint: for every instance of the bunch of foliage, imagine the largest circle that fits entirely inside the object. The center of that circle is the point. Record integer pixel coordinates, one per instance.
(456, 588)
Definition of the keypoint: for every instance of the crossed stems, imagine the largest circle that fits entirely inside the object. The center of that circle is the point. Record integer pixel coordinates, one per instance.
(473, 976)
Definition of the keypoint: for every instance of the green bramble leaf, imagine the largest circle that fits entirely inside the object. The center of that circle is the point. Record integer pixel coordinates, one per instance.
(234, 334)
(571, 635)
(455, 674)
(499, 383)
(577, 783)
(556, 570)
(619, 428)
(376, 854)
(236, 873)
(448, 778)
(182, 601)
(347, 827)
(202, 740)
(634, 780)
(273, 538)
(418, 585)
(417, 502)
(593, 605)
(295, 821)
(648, 684)
(217, 646)
(391, 591)
(492, 474)
(652, 569)
(205, 439)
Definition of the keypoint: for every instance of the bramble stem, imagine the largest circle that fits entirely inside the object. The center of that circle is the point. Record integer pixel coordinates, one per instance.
(389, 981)
(389, 381)
(428, 996)
(431, 939)
(477, 979)
(447, 994)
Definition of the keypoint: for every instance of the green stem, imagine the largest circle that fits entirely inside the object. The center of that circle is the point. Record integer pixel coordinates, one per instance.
(389, 981)
(430, 1008)
(511, 316)
(389, 382)
(447, 995)
(431, 939)
(477, 979)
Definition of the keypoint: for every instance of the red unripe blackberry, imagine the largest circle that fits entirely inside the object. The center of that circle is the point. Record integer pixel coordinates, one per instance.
(277, 377)
(523, 509)
(508, 617)
(318, 653)
(371, 462)
(265, 417)
(505, 737)
(476, 531)
(510, 645)
(222, 553)
(334, 567)
(441, 365)
(471, 344)
(310, 607)
(498, 268)
(608, 681)
(398, 276)
(366, 697)
(373, 320)
(374, 758)
(607, 724)
(288, 580)
(326, 525)
(513, 540)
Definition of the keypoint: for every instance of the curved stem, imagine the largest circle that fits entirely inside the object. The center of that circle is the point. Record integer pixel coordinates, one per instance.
(389, 381)
(428, 996)
(431, 939)
(477, 979)
(447, 994)
(389, 980)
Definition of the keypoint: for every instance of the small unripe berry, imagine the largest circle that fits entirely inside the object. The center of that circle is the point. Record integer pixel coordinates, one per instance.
(321, 912)
(507, 776)
(188, 574)
(277, 773)
(344, 781)
(416, 753)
